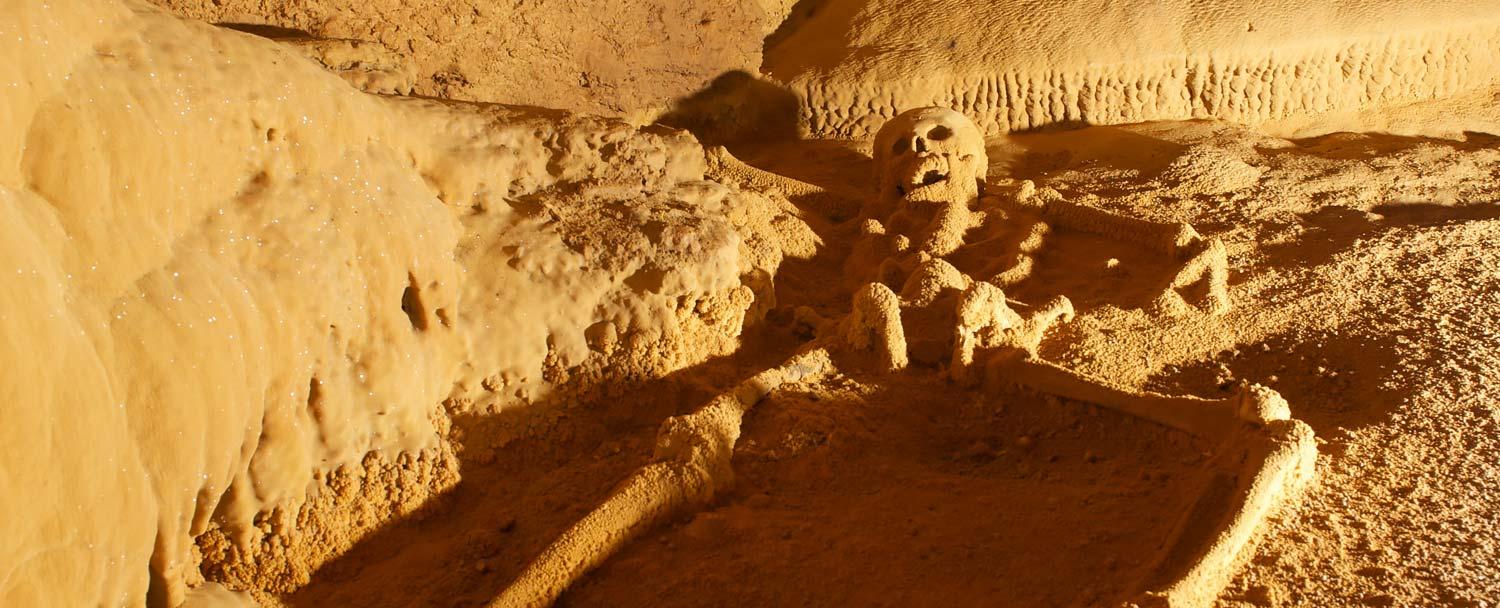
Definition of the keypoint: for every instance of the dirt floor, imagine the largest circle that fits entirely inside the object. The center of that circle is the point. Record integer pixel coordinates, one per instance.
(906, 491)
(1365, 277)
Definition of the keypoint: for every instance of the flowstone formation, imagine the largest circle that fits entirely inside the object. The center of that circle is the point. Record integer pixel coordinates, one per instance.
(931, 169)
(1020, 65)
(594, 56)
(254, 310)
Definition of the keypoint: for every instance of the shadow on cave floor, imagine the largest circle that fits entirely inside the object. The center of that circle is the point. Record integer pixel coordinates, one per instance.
(1334, 380)
(907, 490)
(517, 496)
(757, 120)
(1333, 229)
(1037, 154)
(264, 30)
(1368, 146)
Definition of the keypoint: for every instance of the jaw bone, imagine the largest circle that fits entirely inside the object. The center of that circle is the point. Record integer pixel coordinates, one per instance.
(921, 176)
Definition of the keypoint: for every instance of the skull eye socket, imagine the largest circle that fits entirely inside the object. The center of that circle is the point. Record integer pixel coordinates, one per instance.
(899, 147)
(939, 133)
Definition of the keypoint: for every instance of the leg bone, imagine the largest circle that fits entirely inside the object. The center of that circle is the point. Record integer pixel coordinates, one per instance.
(875, 325)
(690, 465)
(1209, 264)
(1208, 418)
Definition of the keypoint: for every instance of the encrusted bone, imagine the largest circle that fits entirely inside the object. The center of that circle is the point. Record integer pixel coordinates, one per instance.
(982, 318)
(1209, 264)
(931, 278)
(1202, 259)
(986, 321)
(690, 466)
(930, 164)
(1211, 418)
(981, 309)
(874, 325)
(832, 202)
(1167, 239)
(929, 154)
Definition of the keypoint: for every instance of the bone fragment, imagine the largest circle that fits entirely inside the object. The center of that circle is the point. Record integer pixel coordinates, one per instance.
(1209, 418)
(1211, 265)
(875, 325)
(690, 466)
(724, 167)
(1260, 471)
(1170, 239)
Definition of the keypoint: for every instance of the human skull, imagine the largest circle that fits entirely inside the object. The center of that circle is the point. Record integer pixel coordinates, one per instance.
(930, 155)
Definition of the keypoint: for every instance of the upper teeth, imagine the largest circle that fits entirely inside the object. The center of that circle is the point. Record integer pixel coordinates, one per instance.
(921, 172)
(931, 176)
(929, 171)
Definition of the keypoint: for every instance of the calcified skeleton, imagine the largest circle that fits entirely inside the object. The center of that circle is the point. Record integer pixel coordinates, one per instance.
(952, 250)
(931, 169)
(931, 166)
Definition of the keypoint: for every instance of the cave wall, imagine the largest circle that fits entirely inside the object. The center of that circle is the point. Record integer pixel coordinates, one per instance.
(600, 56)
(1021, 65)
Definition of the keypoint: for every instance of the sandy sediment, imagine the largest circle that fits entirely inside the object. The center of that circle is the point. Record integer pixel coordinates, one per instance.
(1017, 66)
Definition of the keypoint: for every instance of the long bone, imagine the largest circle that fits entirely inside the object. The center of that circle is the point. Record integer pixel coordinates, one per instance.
(1203, 259)
(832, 201)
(1208, 418)
(690, 465)
(1262, 458)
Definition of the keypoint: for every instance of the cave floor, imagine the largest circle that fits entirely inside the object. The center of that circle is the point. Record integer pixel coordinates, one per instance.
(1365, 280)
